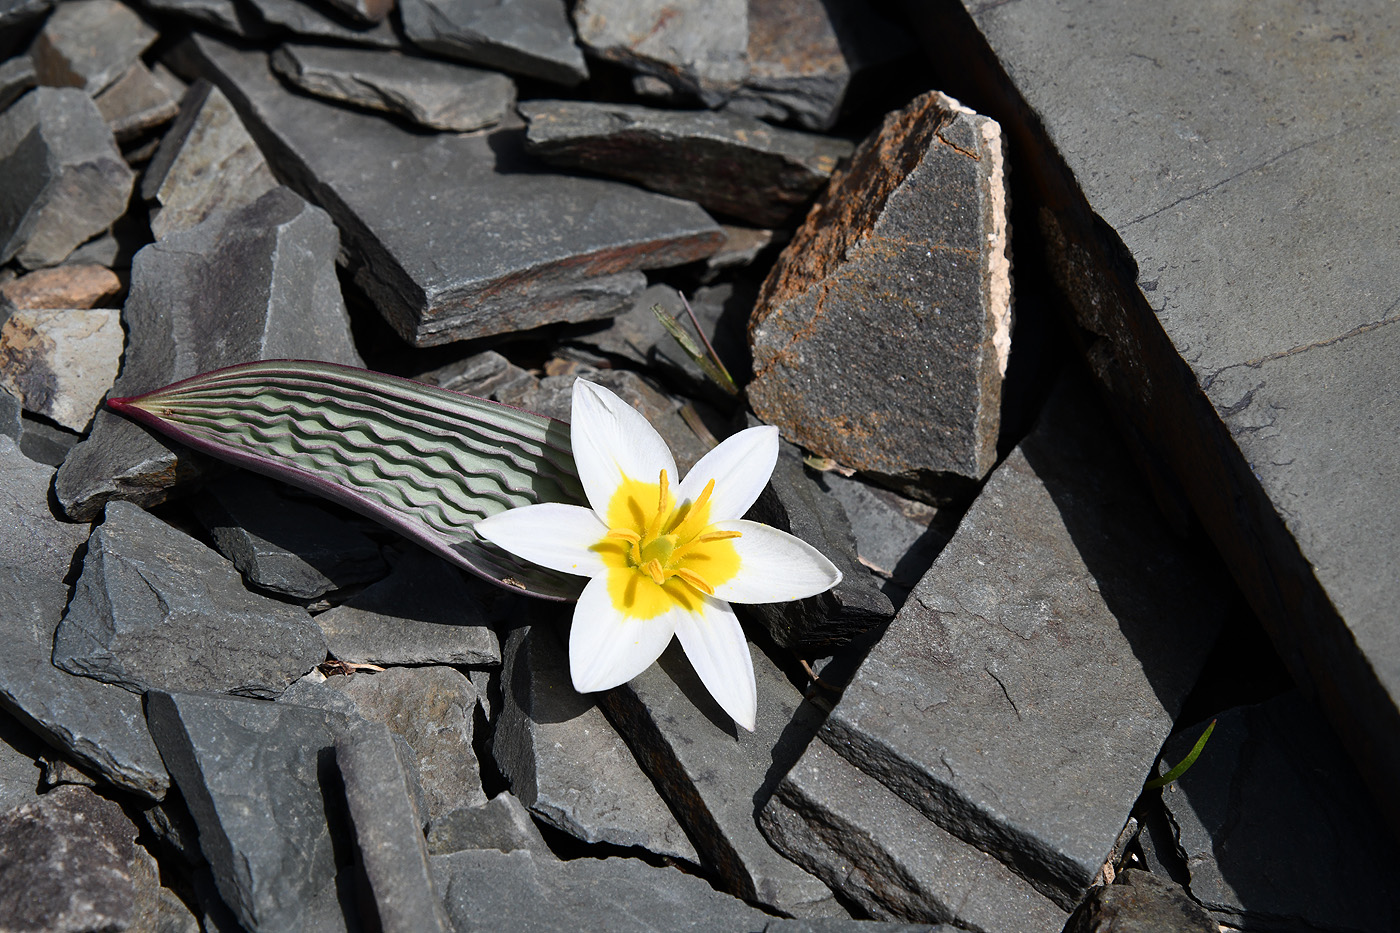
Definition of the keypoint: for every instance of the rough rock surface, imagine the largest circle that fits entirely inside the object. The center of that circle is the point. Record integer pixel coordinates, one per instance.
(155, 609)
(727, 163)
(206, 162)
(527, 37)
(1140, 902)
(136, 103)
(283, 303)
(882, 334)
(475, 246)
(60, 363)
(692, 47)
(501, 823)
(65, 178)
(565, 761)
(89, 44)
(71, 285)
(31, 537)
(1064, 619)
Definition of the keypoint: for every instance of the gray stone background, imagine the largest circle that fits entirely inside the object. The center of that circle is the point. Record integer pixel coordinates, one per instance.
(1076, 320)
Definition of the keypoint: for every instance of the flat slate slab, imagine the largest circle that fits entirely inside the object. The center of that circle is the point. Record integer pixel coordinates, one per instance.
(266, 277)
(1022, 694)
(61, 362)
(881, 335)
(31, 537)
(1240, 268)
(530, 37)
(481, 886)
(100, 725)
(565, 761)
(879, 852)
(474, 246)
(136, 103)
(435, 94)
(725, 162)
(89, 44)
(717, 776)
(71, 285)
(1271, 774)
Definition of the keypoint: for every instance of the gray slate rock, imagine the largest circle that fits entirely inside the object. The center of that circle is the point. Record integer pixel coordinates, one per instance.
(266, 278)
(16, 76)
(231, 16)
(391, 845)
(136, 103)
(795, 502)
(89, 44)
(253, 776)
(1140, 902)
(1065, 625)
(480, 374)
(71, 285)
(1208, 264)
(156, 610)
(717, 776)
(307, 20)
(910, 386)
(432, 708)
(727, 163)
(803, 55)
(31, 538)
(526, 37)
(285, 543)
(65, 179)
(100, 725)
(1271, 773)
(61, 362)
(20, 765)
(692, 47)
(68, 862)
(565, 761)
(481, 886)
(369, 11)
(425, 611)
(899, 536)
(438, 95)
(500, 823)
(879, 852)
(788, 925)
(475, 246)
(206, 162)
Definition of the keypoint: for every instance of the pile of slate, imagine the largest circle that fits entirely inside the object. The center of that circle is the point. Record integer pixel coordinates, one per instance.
(227, 705)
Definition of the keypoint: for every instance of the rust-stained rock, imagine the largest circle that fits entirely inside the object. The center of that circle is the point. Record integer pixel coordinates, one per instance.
(880, 337)
(61, 362)
(79, 285)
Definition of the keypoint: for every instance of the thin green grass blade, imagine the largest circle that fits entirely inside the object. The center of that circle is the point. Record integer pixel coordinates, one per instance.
(710, 366)
(1186, 762)
(425, 461)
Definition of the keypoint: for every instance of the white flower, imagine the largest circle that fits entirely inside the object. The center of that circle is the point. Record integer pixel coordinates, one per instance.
(663, 560)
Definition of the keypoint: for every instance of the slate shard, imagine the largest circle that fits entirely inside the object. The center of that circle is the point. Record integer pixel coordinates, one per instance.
(68, 861)
(137, 103)
(311, 21)
(501, 823)
(527, 37)
(438, 95)
(16, 76)
(1261, 778)
(480, 886)
(61, 363)
(881, 336)
(476, 246)
(426, 611)
(31, 538)
(1065, 620)
(89, 44)
(794, 502)
(97, 724)
(253, 774)
(206, 162)
(1140, 900)
(879, 852)
(727, 163)
(66, 181)
(156, 610)
(266, 277)
(71, 285)
(687, 47)
(566, 762)
(283, 542)
(717, 776)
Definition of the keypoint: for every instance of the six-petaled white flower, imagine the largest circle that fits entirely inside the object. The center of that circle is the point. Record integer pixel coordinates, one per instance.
(663, 560)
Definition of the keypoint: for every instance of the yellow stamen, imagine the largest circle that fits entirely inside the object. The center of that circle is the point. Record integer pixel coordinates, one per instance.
(695, 580)
(653, 569)
(625, 535)
(704, 538)
(662, 509)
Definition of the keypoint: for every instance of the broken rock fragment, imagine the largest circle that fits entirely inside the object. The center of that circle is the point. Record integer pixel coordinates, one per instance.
(137, 102)
(65, 180)
(89, 44)
(61, 363)
(881, 336)
(727, 163)
(527, 37)
(438, 95)
(71, 285)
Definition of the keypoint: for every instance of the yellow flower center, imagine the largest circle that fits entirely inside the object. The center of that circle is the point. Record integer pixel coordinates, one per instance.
(660, 556)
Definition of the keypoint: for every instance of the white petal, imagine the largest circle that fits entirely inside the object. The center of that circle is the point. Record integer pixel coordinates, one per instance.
(611, 439)
(607, 648)
(717, 649)
(774, 566)
(740, 467)
(550, 534)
